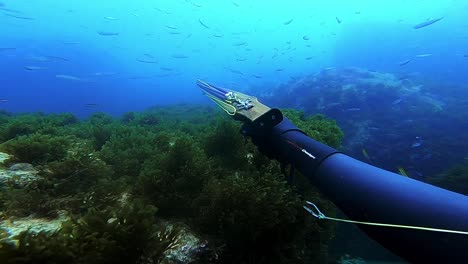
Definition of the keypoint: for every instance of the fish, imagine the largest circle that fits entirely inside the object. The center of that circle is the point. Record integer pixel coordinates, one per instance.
(402, 63)
(241, 59)
(108, 33)
(236, 4)
(203, 24)
(279, 70)
(147, 58)
(466, 55)
(179, 56)
(172, 27)
(423, 55)
(39, 58)
(33, 68)
(147, 61)
(288, 22)
(397, 101)
(241, 43)
(417, 143)
(104, 73)
(3, 100)
(174, 32)
(163, 11)
(236, 71)
(20, 17)
(110, 18)
(218, 35)
(353, 109)
(194, 4)
(330, 105)
(57, 58)
(338, 20)
(48, 58)
(9, 10)
(139, 77)
(6, 49)
(91, 105)
(257, 76)
(309, 58)
(159, 75)
(68, 77)
(166, 69)
(305, 38)
(427, 23)
(365, 154)
(402, 171)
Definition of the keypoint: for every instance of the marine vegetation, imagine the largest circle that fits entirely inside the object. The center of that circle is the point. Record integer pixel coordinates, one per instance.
(175, 184)
(454, 179)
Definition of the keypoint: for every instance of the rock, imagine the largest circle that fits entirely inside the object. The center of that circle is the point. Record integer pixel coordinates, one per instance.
(186, 248)
(22, 167)
(20, 174)
(4, 157)
(11, 228)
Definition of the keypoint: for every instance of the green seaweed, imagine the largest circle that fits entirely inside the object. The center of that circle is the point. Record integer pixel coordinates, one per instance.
(454, 179)
(318, 127)
(109, 176)
(37, 148)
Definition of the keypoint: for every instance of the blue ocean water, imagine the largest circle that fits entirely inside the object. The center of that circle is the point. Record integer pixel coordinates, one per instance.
(158, 49)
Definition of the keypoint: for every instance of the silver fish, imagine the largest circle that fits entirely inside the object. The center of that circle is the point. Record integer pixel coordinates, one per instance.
(33, 68)
(288, 22)
(179, 56)
(69, 77)
(20, 17)
(147, 61)
(423, 55)
(402, 63)
(108, 33)
(353, 109)
(203, 24)
(427, 23)
(6, 49)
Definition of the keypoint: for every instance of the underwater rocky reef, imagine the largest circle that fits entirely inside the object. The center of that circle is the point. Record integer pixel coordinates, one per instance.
(176, 184)
(394, 121)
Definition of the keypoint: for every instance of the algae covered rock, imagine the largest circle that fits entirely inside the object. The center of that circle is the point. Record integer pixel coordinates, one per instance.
(12, 228)
(4, 157)
(19, 174)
